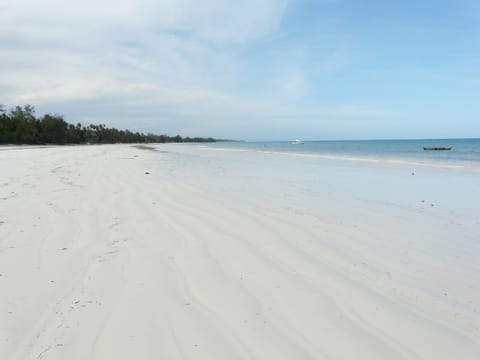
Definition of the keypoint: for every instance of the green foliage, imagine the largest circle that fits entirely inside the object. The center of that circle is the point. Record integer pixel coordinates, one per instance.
(53, 130)
(20, 126)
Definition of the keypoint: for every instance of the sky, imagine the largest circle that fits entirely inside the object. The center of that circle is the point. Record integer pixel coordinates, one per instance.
(250, 69)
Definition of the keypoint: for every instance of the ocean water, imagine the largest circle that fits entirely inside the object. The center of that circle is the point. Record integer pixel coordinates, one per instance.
(464, 153)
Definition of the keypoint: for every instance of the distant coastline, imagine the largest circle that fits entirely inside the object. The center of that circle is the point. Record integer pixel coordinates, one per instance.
(21, 126)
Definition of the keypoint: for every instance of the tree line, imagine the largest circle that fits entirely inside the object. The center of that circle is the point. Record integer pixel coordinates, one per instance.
(19, 125)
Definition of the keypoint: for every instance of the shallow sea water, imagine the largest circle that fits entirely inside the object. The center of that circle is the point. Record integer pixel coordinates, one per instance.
(465, 152)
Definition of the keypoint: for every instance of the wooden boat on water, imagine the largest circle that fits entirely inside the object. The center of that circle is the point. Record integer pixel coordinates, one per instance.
(438, 148)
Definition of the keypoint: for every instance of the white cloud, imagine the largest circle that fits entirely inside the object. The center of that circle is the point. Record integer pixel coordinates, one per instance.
(171, 60)
(173, 41)
(211, 19)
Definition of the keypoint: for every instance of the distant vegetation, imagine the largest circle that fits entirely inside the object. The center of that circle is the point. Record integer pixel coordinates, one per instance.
(20, 126)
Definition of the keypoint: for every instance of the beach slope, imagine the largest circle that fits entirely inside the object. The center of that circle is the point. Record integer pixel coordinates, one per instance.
(182, 252)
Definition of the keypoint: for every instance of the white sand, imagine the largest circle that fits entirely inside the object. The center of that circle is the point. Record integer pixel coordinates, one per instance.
(234, 255)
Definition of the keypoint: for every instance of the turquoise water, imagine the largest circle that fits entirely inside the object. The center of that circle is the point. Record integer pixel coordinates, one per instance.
(464, 151)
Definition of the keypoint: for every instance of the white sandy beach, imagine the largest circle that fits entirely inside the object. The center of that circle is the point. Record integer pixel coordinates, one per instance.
(234, 255)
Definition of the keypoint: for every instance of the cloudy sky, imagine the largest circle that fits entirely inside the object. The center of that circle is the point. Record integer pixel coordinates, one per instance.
(250, 69)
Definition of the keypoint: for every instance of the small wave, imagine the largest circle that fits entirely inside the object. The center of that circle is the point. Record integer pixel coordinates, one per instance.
(225, 149)
(367, 159)
(408, 162)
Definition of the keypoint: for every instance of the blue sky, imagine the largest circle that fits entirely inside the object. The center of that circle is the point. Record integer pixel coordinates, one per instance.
(270, 70)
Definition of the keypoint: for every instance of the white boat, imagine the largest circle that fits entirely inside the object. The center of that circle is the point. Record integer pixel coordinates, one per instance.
(296, 142)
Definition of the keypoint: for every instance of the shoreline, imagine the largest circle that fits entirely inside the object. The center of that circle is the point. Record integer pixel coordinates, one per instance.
(463, 165)
(232, 255)
(459, 164)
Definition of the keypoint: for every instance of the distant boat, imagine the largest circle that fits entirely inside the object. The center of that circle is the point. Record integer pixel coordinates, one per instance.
(296, 142)
(438, 148)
